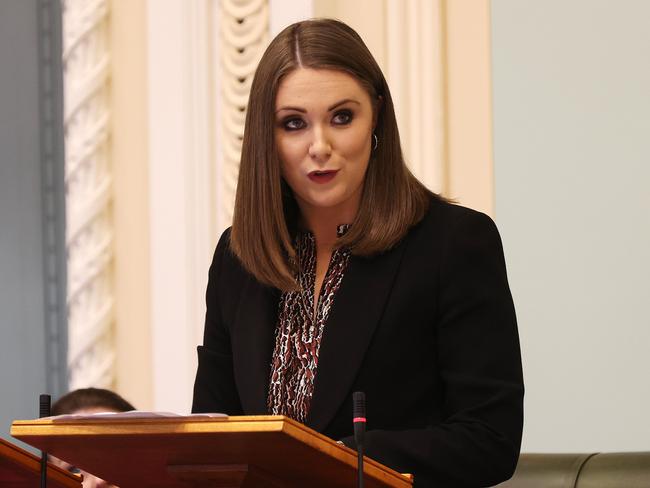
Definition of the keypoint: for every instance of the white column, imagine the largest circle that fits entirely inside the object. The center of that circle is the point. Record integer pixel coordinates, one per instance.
(416, 74)
(181, 190)
(202, 56)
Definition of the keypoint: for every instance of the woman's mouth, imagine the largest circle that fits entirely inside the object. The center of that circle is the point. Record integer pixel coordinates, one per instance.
(324, 176)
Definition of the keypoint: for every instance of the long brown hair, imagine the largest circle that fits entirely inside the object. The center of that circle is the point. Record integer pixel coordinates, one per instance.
(266, 212)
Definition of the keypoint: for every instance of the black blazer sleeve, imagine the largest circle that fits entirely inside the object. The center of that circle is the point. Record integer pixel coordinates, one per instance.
(477, 441)
(214, 386)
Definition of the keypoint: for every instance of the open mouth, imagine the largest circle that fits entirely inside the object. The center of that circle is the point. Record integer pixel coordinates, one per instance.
(322, 176)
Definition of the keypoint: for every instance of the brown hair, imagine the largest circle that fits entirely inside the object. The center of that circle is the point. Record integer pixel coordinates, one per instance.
(85, 398)
(266, 212)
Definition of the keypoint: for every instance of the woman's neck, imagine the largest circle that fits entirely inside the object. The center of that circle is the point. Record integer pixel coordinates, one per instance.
(325, 233)
(324, 226)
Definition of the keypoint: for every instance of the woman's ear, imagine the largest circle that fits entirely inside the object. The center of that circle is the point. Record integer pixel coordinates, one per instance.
(379, 103)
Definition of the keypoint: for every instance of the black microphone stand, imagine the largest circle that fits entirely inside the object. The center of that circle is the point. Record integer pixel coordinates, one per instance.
(359, 422)
(44, 411)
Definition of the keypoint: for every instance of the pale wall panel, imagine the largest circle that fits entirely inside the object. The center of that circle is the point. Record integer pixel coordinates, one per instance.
(470, 178)
(571, 131)
(129, 152)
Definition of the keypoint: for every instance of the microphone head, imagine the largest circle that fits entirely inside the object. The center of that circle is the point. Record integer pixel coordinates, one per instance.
(44, 405)
(358, 404)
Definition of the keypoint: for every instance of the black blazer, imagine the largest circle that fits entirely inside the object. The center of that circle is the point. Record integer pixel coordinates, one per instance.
(427, 330)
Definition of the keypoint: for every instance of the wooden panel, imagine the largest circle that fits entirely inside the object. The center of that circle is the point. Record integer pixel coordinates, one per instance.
(139, 452)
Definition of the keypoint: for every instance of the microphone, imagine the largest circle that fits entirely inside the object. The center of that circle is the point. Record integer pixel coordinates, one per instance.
(44, 406)
(359, 422)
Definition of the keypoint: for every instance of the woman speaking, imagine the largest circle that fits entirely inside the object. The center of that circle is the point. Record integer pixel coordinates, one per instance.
(343, 273)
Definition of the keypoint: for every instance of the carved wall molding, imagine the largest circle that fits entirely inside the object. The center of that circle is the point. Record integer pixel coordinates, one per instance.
(243, 28)
(89, 234)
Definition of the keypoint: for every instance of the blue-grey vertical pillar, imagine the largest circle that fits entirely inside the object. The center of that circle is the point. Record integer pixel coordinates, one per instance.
(53, 186)
(32, 208)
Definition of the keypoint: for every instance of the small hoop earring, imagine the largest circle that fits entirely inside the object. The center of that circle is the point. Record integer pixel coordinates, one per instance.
(376, 140)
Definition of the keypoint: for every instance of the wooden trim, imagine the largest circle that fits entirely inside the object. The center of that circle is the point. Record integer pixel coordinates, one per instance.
(18, 464)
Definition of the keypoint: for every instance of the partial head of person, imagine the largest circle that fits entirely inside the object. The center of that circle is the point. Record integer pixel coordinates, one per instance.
(320, 138)
(86, 401)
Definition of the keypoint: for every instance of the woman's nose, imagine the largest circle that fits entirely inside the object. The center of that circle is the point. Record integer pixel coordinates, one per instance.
(320, 148)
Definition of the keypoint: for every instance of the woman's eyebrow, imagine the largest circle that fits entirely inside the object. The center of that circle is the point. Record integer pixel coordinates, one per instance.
(341, 103)
(329, 109)
(297, 109)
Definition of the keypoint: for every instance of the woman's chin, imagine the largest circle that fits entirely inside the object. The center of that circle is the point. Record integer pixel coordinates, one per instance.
(334, 199)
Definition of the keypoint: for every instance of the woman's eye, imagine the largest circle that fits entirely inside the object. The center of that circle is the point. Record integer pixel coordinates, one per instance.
(74, 470)
(343, 117)
(293, 124)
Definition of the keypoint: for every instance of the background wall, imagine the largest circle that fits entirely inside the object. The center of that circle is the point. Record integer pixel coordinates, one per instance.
(572, 147)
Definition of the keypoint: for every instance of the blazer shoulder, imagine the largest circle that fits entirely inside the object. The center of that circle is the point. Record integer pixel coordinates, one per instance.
(224, 258)
(223, 244)
(226, 269)
(446, 218)
(462, 234)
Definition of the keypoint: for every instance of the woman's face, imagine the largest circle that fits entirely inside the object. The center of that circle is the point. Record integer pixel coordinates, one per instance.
(324, 123)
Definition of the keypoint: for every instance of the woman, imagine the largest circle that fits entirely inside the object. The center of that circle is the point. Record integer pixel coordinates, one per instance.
(342, 273)
(86, 401)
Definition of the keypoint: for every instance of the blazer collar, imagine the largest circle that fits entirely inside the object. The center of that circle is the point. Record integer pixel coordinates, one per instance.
(356, 311)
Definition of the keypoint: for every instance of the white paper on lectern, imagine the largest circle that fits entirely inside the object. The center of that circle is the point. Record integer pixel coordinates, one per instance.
(135, 414)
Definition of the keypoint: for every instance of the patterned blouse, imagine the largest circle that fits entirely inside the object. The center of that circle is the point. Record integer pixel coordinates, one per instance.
(299, 330)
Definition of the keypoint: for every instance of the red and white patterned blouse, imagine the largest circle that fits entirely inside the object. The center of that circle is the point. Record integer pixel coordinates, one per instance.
(299, 330)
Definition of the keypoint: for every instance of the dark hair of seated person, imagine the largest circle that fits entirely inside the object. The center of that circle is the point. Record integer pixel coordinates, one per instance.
(85, 398)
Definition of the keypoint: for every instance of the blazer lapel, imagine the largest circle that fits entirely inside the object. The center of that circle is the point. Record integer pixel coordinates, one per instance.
(252, 345)
(356, 311)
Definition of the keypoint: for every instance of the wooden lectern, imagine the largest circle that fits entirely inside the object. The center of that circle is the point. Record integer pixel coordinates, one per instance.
(21, 469)
(227, 452)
